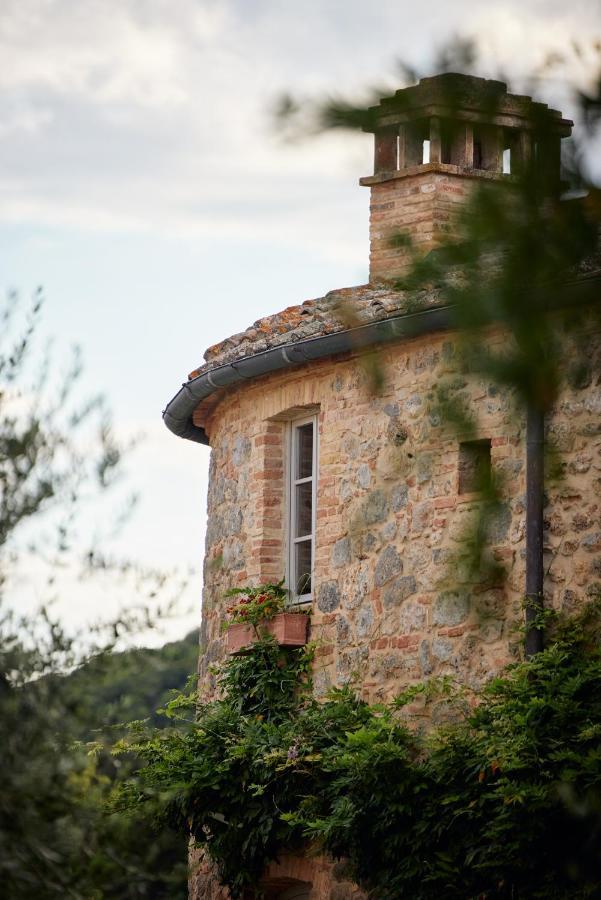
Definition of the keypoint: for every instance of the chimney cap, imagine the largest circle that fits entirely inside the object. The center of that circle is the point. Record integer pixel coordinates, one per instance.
(452, 95)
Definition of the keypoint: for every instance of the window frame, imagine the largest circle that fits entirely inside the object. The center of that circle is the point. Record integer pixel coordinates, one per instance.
(291, 484)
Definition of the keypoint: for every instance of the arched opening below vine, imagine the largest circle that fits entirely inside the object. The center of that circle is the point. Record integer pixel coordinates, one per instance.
(299, 891)
(286, 889)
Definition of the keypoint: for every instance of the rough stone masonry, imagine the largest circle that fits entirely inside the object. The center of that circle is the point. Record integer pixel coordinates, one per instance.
(394, 600)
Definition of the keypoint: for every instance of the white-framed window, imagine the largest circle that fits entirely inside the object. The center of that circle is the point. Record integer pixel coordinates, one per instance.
(302, 496)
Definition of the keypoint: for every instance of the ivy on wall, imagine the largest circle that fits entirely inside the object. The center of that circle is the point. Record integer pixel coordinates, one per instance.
(503, 801)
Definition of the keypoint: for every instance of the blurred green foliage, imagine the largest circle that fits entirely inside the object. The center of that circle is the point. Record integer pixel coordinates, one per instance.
(56, 837)
(60, 692)
(127, 686)
(503, 800)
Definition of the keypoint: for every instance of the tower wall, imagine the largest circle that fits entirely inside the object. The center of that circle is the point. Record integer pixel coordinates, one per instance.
(394, 599)
(391, 514)
(391, 604)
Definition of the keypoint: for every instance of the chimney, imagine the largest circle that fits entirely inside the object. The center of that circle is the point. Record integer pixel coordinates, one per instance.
(433, 142)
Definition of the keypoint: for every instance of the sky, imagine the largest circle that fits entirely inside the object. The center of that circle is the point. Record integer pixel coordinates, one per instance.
(145, 186)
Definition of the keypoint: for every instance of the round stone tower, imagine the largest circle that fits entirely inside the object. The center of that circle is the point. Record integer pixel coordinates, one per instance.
(357, 497)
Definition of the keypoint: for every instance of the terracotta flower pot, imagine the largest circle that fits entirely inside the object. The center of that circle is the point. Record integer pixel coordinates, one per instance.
(289, 630)
(239, 636)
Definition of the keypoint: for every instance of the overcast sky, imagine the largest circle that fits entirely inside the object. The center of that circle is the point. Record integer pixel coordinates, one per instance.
(144, 186)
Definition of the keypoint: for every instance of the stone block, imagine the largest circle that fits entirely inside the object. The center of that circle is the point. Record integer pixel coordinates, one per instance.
(442, 649)
(592, 542)
(399, 497)
(397, 433)
(328, 598)
(341, 553)
(374, 508)
(424, 467)
(364, 475)
(422, 515)
(497, 527)
(401, 588)
(412, 618)
(389, 531)
(364, 622)
(425, 658)
(450, 608)
(364, 543)
(389, 564)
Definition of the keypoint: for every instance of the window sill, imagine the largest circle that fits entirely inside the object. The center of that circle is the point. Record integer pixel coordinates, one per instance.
(301, 605)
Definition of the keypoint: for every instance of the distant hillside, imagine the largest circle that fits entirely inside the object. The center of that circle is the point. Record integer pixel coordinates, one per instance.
(122, 687)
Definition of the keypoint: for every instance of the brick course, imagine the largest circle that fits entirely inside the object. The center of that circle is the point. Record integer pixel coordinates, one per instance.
(421, 203)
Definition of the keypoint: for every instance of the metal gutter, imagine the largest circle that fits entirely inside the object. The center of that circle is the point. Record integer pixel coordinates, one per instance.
(178, 413)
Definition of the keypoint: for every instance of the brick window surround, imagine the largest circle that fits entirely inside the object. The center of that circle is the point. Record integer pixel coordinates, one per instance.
(269, 493)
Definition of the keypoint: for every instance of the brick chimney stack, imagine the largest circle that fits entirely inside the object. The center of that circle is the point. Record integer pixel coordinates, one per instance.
(433, 142)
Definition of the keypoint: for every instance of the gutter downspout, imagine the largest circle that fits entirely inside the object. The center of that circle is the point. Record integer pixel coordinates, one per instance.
(535, 489)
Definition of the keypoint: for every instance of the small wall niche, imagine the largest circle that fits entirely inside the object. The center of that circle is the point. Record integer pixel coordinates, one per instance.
(297, 892)
(474, 466)
(286, 889)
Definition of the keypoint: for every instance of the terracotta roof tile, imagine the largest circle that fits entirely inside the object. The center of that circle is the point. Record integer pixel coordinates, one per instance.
(336, 311)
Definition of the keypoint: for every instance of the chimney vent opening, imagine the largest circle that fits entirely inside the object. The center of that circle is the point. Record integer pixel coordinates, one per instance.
(431, 135)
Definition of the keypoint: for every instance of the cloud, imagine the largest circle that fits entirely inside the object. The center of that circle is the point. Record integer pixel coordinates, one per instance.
(139, 162)
(154, 116)
(103, 51)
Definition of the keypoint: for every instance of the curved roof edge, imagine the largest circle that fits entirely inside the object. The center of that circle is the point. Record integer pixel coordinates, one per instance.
(178, 413)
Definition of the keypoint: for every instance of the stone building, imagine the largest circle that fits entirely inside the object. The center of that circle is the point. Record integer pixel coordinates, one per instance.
(359, 497)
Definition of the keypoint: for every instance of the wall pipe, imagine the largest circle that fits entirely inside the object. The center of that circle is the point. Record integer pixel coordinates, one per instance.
(535, 491)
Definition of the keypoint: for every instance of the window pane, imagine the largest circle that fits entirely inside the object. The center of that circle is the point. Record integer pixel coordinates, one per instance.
(304, 509)
(302, 566)
(304, 450)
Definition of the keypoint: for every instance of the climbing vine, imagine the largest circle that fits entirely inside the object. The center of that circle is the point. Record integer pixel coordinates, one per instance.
(501, 801)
